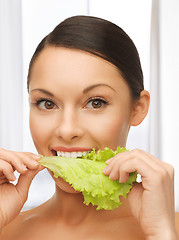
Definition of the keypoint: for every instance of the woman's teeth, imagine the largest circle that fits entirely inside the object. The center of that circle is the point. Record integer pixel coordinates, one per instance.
(71, 154)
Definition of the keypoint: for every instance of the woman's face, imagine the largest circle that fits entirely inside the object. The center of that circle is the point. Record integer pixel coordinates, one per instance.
(78, 102)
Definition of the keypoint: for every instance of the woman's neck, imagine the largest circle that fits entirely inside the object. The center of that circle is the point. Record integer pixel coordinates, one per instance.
(69, 208)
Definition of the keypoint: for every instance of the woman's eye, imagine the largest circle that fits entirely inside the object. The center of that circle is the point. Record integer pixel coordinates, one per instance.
(96, 103)
(46, 104)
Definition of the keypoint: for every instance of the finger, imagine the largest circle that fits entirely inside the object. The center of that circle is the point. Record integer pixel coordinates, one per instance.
(119, 170)
(112, 161)
(119, 155)
(33, 155)
(28, 160)
(4, 180)
(13, 159)
(7, 170)
(29, 155)
(139, 156)
(119, 158)
(109, 160)
(108, 168)
(115, 172)
(147, 171)
(161, 167)
(112, 169)
(167, 166)
(25, 180)
(21, 161)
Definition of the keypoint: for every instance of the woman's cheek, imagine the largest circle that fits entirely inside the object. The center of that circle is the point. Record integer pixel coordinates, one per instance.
(39, 128)
(109, 130)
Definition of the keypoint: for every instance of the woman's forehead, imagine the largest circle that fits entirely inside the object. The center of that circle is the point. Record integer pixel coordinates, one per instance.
(74, 58)
(63, 65)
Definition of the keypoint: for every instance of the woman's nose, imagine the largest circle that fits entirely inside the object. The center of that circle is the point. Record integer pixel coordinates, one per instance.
(69, 127)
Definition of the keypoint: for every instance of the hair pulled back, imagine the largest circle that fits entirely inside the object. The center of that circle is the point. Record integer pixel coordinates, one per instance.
(101, 38)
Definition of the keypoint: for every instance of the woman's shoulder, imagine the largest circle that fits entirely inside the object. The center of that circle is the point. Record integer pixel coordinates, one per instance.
(22, 224)
(13, 229)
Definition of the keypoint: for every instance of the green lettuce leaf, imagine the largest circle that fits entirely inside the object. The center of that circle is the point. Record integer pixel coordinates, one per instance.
(85, 175)
(104, 155)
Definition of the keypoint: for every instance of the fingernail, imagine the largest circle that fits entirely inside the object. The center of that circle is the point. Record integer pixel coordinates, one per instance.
(35, 163)
(109, 160)
(105, 169)
(37, 156)
(111, 177)
(24, 167)
(13, 177)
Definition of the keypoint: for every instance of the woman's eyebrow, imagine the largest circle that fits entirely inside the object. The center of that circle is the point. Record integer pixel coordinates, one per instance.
(84, 91)
(43, 91)
(96, 85)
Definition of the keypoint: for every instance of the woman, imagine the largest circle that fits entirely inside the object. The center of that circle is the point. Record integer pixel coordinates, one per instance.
(86, 89)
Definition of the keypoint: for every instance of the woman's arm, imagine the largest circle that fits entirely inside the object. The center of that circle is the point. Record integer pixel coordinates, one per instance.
(152, 200)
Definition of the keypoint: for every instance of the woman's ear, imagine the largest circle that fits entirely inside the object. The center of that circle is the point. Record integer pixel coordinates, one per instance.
(140, 108)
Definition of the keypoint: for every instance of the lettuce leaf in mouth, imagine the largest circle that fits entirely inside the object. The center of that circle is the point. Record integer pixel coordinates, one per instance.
(85, 175)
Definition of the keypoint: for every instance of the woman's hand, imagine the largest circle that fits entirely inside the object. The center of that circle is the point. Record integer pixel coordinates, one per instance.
(152, 200)
(13, 197)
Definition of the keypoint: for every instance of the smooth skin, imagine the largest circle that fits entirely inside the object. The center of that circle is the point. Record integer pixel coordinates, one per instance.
(80, 100)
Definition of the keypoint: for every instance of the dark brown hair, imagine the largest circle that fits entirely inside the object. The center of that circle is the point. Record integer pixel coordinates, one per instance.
(99, 37)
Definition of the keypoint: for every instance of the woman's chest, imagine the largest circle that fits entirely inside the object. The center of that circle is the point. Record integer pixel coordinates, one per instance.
(104, 231)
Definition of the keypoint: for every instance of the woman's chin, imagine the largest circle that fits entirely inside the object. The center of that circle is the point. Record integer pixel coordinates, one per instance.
(64, 186)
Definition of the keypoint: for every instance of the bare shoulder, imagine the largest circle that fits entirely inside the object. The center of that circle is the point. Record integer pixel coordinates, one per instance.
(13, 230)
(177, 222)
(18, 228)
